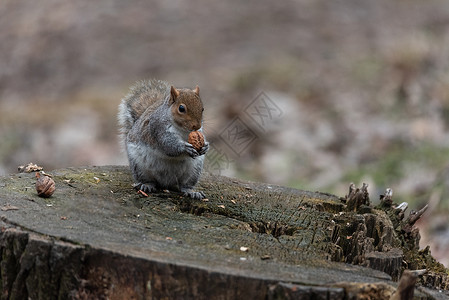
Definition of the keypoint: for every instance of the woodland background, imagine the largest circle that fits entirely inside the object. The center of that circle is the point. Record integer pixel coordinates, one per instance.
(359, 89)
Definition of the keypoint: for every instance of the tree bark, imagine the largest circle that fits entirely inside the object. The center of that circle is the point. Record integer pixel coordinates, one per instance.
(96, 238)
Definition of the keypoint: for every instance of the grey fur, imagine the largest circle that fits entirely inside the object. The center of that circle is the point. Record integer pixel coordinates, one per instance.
(158, 152)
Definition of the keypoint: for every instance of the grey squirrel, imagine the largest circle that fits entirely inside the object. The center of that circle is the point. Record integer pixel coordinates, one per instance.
(155, 120)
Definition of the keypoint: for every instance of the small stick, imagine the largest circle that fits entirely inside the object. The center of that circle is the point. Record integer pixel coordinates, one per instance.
(142, 193)
(414, 216)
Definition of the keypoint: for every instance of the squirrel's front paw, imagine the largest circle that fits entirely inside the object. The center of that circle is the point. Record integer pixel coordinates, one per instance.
(191, 151)
(204, 149)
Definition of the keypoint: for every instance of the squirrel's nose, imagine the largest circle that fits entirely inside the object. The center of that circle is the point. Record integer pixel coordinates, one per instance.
(196, 127)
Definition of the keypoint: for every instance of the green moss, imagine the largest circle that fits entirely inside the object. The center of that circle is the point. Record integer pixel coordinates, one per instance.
(290, 226)
(418, 260)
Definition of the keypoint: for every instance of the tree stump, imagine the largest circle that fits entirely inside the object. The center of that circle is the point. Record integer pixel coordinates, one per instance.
(96, 238)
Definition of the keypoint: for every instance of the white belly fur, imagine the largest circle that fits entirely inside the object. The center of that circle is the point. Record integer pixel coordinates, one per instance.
(154, 166)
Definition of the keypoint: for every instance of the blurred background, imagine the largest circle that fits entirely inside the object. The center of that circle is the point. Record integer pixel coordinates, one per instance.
(312, 94)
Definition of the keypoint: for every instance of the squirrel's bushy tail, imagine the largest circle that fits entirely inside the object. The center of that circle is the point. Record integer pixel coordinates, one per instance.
(141, 96)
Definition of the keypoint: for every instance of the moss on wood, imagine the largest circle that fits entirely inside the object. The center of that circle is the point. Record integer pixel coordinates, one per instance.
(97, 237)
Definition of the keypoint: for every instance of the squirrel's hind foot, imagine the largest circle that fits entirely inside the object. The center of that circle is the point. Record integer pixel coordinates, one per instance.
(145, 187)
(194, 195)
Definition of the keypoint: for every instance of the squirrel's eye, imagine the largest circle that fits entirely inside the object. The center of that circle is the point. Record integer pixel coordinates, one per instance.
(182, 109)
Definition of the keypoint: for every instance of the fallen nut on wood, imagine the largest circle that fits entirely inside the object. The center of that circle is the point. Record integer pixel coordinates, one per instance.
(196, 139)
(45, 186)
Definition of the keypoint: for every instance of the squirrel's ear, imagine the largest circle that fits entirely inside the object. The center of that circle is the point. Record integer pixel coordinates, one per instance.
(174, 92)
(197, 90)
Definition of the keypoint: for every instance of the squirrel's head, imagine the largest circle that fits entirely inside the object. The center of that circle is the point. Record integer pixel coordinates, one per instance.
(187, 108)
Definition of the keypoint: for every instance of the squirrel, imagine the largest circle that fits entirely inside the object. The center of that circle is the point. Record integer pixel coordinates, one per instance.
(155, 120)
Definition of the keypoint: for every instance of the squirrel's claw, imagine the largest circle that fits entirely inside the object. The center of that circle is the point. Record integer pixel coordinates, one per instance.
(204, 149)
(191, 151)
(145, 187)
(195, 195)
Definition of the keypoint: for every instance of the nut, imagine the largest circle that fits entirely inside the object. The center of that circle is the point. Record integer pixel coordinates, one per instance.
(196, 139)
(45, 186)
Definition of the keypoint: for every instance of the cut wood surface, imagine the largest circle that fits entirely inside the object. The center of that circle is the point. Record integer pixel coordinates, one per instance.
(97, 238)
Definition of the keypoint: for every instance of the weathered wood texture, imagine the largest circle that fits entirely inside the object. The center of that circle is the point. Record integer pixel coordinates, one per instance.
(97, 238)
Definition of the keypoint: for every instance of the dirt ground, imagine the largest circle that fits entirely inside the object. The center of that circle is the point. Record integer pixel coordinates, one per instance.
(309, 94)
